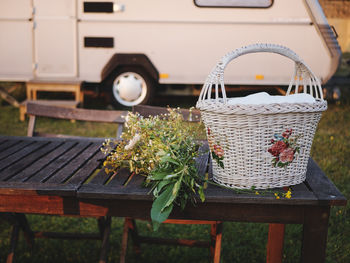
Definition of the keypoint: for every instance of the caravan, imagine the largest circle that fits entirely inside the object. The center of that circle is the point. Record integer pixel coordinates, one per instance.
(130, 46)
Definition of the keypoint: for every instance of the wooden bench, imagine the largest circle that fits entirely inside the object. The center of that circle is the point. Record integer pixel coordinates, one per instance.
(33, 87)
(35, 110)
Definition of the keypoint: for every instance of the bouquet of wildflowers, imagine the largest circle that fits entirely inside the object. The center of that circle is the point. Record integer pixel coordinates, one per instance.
(162, 149)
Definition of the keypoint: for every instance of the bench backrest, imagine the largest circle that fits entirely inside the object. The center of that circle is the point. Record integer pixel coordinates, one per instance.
(106, 116)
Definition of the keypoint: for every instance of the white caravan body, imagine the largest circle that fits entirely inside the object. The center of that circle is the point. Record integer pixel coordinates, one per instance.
(182, 40)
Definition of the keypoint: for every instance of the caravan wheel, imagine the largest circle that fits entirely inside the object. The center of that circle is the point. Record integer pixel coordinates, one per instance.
(131, 87)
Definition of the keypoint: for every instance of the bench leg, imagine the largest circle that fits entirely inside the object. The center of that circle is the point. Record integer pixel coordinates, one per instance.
(105, 239)
(274, 251)
(129, 227)
(22, 112)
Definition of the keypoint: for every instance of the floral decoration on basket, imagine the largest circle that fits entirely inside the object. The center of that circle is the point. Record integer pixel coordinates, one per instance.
(284, 148)
(217, 151)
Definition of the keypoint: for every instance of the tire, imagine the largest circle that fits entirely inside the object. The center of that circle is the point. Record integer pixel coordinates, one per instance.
(131, 86)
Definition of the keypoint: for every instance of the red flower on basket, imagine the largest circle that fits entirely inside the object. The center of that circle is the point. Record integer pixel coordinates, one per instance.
(217, 151)
(284, 148)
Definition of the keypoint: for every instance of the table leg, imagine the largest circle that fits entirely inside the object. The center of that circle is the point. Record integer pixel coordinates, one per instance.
(13, 243)
(274, 251)
(28, 233)
(315, 234)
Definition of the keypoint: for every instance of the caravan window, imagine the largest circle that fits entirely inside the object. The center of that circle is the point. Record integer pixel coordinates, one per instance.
(233, 3)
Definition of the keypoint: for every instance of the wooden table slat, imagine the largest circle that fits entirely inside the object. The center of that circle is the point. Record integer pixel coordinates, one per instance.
(27, 161)
(100, 178)
(59, 163)
(75, 164)
(119, 179)
(43, 162)
(27, 149)
(115, 187)
(7, 144)
(13, 148)
(2, 140)
(301, 191)
(87, 170)
(323, 188)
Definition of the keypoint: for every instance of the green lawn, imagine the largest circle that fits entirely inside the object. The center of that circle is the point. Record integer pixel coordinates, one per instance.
(242, 242)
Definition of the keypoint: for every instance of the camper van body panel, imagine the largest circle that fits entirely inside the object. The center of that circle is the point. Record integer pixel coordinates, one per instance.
(16, 40)
(67, 39)
(55, 39)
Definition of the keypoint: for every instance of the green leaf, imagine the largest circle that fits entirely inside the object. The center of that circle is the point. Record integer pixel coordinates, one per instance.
(175, 191)
(175, 147)
(156, 224)
(219, 160)
(160, 153)
(201, 193)
(158, 175)
(167, 158)
(171, 176)
(162, 184)
(159, 216)
(161, 202)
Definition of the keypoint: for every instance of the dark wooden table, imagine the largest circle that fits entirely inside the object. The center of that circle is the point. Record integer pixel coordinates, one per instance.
(63, 177)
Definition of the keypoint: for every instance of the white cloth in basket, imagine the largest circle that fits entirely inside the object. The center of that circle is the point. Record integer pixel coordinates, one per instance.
(265, 98)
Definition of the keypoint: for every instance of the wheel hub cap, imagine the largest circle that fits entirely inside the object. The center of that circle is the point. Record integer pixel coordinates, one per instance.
(129, 89)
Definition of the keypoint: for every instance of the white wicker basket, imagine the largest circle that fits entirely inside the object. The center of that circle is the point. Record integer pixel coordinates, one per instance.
(262, 146)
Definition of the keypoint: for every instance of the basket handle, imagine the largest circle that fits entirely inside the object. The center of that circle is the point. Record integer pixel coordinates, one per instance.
(303, 76)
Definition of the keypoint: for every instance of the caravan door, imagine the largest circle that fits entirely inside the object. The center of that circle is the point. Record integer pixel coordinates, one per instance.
(16, 41)
(55, 39)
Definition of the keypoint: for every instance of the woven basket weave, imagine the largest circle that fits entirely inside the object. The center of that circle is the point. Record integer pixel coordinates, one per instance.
(243, 139)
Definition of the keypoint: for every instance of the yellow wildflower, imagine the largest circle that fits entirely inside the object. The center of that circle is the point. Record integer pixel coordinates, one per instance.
(289, 194)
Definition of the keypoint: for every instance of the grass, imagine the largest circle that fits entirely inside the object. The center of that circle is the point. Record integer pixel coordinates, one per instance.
(242, 242)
